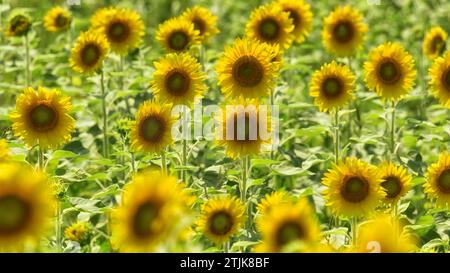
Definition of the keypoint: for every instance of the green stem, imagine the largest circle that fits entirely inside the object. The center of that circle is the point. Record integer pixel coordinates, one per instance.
(245, 164)
(58, 227)
(133, 162)
(41, 158)
(27, 61)
(105, 116)
(336, 135)
(163, 162)
(354, 226)
(272, 103)
(392, 135)
(184, 159)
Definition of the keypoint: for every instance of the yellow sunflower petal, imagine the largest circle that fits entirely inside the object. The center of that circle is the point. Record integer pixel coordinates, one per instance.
(438, 181)
(440, 79)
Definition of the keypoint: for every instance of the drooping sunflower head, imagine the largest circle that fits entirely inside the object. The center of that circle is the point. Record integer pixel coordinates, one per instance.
(384, 234)
(438, 181)
(247, 68)
(244, 128)
(43, 117)
(287, 224)
(344, 31)
(151, 130)
(122, 28)
(57, 19)
(332, 86)
(270, 24)
(26, 206)
(77, 232)
(89, 52)
(19, 24)
(301, 16)
(177, 35)
(178, 79)
(152, 206)
(353, 188)
(272, 201)
(203, 20)
(390, 71)
(396, 181)
(4, 150)
(440, 79)
(221, 218)
(435, 42)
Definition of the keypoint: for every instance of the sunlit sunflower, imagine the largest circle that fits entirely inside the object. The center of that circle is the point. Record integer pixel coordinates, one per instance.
(57, 19)
(177, 35)
(244, 128)
(42, 117)
(122, 28)
(300, 13)
(270, 24)
(221, 218)
(390, 71)
(396, 181)
(89, 52)
(353, 188)
(332, 86)
(248, 69)
(4, 150)
(438, 180)
(440, 79)
(151, 130)
(97, 18)
(435, 42)
(178, 79)
(272, 200)
(344, 31)
(19, 24)
(289, 223)
(384, 234)
(152, 206)
(26, 206)
(77, 232)
(203, 20)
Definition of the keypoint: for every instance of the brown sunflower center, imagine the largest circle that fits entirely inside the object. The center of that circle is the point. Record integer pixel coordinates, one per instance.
(43, 118)
(118, 32)
(178, 40)
(152, 128)
(332, 87)
(248, 71)
(355, 189)
(15, 213)
(143, 218)
(343, 32)
(269, 29)
(289, 232)
(446, 79)
(177, 82)
(295, 17)
(389, 71)
(438, 45)
(250, 127)
(220, 223)
(62, 20)
(199, 25)
(90, 54)
(20, 25)
(444, 182)
(392, 186)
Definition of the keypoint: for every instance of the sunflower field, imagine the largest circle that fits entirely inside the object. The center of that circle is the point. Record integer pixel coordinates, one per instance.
(224, 126)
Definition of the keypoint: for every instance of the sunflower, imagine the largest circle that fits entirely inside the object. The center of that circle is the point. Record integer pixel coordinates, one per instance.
(301, 16)
(178, 79)
(289, 223)
(57, 19)
(177, 35)
(384, 234)
(221, 218)
(19, 24)
(26, 206)
(396, 181)
(152, 205)
(4, 150)
(247, 68)
(332, 86)
(435, 42)
(244, 128)
(353, 187)
(99, 15)
(440, 79)
(42, 117)
(344, 31)
(122, 28)
(270, 24)
(77, 232)
(273, 200)
(438, 181)
(203, 20)
(89, 52)
(151, 131)
(390, 71)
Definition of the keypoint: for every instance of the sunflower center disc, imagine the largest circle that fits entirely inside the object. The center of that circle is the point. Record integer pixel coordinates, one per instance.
(438, 45)
(289, 232)
(355, 190)
(389, 72)
(221, 223)
(248, 71)
(90, 54)
(177, 83)
(61, 21)
(332, 87)
(14, 214)
(444, 181)
(143, 218)
(20, 24)
(43, 117)
(199, 25)
(392, 186)
(152, 129)
(343, 32)
(269, 29)
(446, 79)
(178, 40)
(118, 32)
(295, 17)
